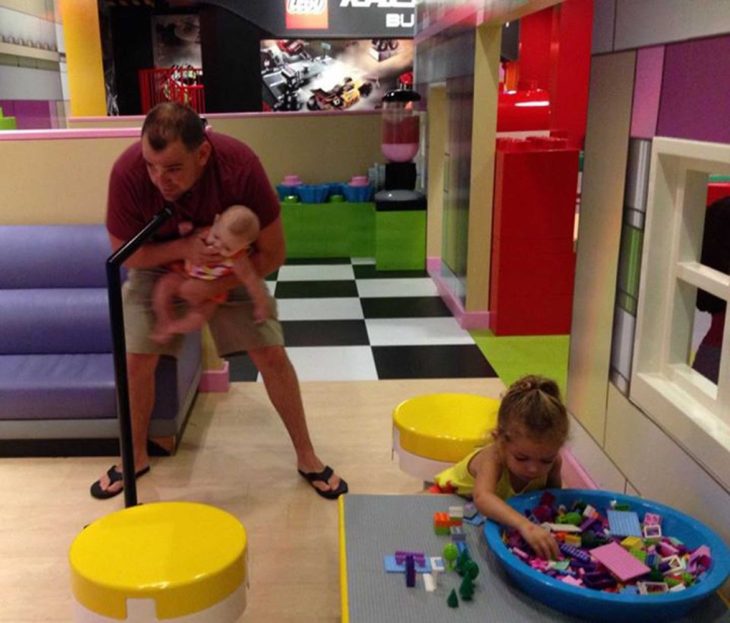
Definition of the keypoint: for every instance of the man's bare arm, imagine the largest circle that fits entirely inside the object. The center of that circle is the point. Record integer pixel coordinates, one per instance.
(269, 249)
(154, 254)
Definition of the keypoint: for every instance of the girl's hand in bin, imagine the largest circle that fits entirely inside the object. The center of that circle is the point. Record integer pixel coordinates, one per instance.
(540, 540)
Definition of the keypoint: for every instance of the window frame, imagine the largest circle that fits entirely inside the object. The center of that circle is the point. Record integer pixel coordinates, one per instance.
(692, 410)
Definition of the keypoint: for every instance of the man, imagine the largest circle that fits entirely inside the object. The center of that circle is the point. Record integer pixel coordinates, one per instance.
(199, 174)
(715, 254)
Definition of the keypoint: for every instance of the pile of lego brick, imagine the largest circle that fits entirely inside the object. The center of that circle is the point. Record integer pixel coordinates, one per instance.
(613, 551)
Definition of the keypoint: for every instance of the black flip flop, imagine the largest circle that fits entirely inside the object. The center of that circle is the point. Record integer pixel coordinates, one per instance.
(114, 476)
(324, 476)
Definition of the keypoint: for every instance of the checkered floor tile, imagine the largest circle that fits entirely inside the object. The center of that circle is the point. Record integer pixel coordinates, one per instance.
(344, 321)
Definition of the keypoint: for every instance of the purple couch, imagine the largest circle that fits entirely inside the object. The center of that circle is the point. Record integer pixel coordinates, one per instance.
(56, 369)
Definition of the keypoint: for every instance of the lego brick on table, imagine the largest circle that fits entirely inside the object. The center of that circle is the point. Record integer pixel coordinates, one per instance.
(392, 566)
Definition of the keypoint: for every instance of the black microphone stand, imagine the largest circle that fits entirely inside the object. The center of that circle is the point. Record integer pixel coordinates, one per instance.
(116, 316)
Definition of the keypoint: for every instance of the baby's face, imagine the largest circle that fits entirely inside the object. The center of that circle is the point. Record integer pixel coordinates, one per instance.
(226, 243)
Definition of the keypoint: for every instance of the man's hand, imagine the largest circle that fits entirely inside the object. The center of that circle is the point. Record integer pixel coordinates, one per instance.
(540, 540)
(199, 252)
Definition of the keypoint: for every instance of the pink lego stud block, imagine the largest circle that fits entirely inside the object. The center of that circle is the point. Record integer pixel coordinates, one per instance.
(619, 562)
(701, 556)
(568, 579)
(652, 519)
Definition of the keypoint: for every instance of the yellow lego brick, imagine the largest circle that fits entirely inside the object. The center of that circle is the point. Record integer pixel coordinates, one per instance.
(632, 542)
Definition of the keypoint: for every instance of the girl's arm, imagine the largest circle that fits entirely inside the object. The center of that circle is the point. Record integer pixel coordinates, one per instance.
(488, 471)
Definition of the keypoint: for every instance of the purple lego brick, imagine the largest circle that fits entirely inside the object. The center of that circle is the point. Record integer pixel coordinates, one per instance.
(575, 552)
(410, 571)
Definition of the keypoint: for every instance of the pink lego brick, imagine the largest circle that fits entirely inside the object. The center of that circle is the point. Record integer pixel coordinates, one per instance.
(701, 556)
(571, 580)
(619, 562)
(652, 519)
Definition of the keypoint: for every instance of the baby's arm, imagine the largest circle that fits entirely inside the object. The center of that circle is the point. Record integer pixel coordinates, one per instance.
(244, 270)
(488, 471)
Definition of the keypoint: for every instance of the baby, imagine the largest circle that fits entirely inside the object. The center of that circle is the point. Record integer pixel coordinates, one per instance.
(232, 233)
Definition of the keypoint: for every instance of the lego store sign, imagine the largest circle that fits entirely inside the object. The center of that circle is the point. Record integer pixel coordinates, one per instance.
(307, 15)
(392, 18)
(394, 13)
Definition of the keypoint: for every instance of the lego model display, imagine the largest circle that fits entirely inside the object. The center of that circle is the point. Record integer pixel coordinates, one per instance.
(335, 75)
(343, 95)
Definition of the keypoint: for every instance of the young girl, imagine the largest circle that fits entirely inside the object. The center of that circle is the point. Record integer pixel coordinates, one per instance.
(524, 455)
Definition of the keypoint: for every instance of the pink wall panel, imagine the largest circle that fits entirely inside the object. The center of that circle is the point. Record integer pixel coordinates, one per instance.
(647, 92)
(695, 93)
(29, 114)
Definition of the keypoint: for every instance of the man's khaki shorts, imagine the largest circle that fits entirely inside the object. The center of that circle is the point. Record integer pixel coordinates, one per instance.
(232, 324)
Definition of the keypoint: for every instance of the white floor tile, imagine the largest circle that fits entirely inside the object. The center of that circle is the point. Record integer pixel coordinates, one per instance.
(320, 309)
(316, 272)
(362, 261)
(372, 288)
(415, 332)
(333, 363)
(271, 287)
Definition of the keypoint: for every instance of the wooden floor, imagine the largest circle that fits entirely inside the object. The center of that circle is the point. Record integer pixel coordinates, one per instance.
(234, 455)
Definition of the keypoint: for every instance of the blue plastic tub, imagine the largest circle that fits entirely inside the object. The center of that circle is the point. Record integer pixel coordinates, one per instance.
(357, 194)
(314, 193)
(286, 190)
(611, 607)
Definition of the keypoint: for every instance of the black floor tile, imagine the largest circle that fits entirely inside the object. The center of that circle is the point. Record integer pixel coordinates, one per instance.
(318, 260)
(272, 276)
(368, 271)
(241, 368)
(431, 362)
(325, 333)
(405, 307)
(315, 289)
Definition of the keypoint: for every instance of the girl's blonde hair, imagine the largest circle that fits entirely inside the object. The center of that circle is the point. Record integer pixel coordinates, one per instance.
(532, 407)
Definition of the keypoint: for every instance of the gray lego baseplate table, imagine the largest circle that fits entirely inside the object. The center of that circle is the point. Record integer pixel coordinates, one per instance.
(375, 526)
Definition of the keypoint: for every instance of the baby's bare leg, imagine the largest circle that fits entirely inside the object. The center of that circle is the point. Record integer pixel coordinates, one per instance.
(163, 297)
(195, 318)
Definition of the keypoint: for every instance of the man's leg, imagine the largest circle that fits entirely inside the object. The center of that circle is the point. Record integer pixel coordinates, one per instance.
(282, 386)
(141, 373)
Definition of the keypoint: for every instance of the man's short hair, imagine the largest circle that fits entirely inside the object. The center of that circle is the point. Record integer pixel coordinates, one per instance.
(171, 121)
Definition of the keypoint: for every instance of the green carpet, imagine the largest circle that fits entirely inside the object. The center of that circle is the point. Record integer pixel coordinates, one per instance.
(514, 356)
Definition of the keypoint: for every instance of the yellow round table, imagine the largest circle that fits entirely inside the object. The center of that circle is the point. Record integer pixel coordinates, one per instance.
(434, 431)
(167, 561)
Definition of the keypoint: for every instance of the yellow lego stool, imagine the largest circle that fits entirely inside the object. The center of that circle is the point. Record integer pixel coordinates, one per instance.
(168, 561)
(434, 431)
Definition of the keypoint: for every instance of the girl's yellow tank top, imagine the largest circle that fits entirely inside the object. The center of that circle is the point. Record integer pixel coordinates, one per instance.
(459, 477)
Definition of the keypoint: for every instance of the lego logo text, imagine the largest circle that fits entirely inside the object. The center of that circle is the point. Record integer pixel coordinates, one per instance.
(305, 7)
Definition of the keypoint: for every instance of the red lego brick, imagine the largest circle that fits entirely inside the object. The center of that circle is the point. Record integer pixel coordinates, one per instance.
(515, 315)
(535, 193)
